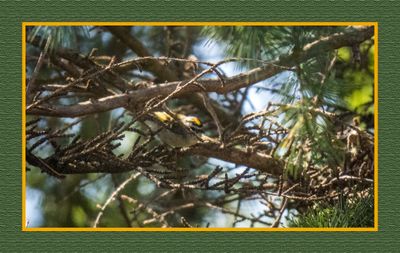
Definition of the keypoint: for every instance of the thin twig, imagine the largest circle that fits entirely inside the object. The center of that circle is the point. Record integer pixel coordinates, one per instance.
(112, 196)
(213, 114)
(278, 219)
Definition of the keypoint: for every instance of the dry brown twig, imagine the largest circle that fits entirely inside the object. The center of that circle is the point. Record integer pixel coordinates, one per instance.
(112, 197)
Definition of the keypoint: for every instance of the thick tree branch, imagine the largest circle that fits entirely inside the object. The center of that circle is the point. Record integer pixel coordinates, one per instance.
(353, 35)
(258, 160)
(253, 76)
(138, 97)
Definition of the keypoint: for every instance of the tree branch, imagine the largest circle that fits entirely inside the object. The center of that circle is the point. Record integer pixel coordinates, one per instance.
(258, 160)
(236, 82)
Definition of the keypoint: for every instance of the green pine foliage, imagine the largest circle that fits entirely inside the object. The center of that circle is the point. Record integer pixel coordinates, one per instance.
(59, 36)
(359, 213)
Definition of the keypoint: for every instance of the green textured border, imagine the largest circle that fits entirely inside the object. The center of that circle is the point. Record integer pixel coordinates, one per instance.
(12, 239)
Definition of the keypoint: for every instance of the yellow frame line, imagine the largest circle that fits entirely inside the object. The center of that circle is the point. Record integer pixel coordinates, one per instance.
(139, 23)
(117, 229)
(376, 102)
(86, 23)
(23, 126)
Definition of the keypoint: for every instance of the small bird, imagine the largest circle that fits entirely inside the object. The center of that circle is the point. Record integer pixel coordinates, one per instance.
(178, 130)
